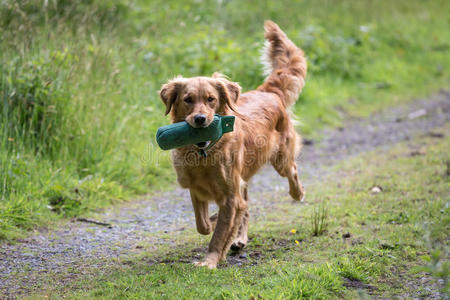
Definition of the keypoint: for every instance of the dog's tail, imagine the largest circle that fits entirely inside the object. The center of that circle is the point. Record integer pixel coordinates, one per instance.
(285, 65)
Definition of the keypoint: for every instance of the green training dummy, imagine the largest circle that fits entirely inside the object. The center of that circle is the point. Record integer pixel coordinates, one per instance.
(182, 134)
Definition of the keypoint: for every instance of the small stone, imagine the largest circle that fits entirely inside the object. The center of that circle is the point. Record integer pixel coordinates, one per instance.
(436, 135)
(376, 189)
(308, 142)
(417, 114)
(387, 246)
(417, 153)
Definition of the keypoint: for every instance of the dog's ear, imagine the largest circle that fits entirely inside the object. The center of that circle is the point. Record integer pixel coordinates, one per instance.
(228, 91)
(169, 93)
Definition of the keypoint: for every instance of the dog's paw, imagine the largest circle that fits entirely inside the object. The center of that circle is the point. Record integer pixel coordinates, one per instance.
(206, 263)
(237, 246)
(211, 260)
(303, 199)
(298, 195)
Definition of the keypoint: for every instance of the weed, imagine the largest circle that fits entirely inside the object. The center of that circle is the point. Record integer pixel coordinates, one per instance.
(319, 220)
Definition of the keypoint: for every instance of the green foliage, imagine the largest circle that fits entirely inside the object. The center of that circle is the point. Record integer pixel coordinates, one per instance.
(29, 15)
(354, 269)
(314, 282)
(35, 101)
(341, 56)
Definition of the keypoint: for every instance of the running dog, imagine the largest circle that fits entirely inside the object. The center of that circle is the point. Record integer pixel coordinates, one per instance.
(263, 132)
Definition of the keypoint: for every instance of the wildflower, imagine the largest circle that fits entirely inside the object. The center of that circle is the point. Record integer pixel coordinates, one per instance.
(297, 242)
(293, 231)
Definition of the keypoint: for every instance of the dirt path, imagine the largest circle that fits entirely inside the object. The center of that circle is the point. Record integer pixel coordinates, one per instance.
(76, 244)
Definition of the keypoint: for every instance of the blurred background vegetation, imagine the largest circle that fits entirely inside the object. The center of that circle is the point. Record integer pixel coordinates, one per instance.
(79, 80)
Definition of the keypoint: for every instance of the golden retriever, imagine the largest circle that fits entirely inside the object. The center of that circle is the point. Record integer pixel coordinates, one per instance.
(263, 132)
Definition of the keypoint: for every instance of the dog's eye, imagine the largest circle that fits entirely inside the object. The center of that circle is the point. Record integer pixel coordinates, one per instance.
(210, 99)
(188, 100)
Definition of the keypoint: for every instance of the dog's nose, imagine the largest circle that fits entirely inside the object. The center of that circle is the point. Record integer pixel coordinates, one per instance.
(199, 119)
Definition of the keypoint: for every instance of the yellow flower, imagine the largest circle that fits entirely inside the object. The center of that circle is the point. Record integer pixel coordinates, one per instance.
(293, 231)
(297, 242)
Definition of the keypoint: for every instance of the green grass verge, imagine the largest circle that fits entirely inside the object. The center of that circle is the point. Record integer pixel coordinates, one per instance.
(377, 243)
(79, 80)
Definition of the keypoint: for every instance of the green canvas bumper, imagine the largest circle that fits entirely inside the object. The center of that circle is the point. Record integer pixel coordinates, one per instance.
(182, 134)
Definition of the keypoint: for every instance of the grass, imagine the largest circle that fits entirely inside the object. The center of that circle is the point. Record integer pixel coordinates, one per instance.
(394, 238)
(79, 82)
(319, 220)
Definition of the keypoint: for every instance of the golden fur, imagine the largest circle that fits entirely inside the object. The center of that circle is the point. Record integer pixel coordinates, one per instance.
(263, 133)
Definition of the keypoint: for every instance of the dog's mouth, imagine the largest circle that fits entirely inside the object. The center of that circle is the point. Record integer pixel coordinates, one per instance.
(200, 126)
(194, 125)
(203, 145)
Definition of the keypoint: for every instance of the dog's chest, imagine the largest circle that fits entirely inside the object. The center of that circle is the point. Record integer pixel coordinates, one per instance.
(211, 181)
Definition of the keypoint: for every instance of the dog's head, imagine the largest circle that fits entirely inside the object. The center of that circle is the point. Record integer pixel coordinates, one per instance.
(196, 100)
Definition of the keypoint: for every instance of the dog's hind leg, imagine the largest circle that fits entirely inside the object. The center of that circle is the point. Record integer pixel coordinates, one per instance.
(289, 170)
(296, 189)
(213, 220)
(242, 237)
(284, 163)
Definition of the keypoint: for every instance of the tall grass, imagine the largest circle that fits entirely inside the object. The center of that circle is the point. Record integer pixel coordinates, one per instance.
(79, 83)
(319, 219)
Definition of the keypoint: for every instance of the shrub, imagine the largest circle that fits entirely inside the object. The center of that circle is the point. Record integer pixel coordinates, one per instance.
(26, 15)
(35, 100)
(341, 55)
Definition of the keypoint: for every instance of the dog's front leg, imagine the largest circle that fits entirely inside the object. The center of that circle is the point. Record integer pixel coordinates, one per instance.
(202, 220)
(230, 214)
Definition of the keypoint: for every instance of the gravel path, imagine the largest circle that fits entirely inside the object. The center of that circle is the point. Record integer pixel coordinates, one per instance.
(140, 222)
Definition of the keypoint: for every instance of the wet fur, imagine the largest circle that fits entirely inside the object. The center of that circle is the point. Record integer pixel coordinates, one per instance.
(263, 133)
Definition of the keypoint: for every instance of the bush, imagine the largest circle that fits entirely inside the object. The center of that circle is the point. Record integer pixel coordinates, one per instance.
(341, 55)
(26, 15)
(35, 101)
